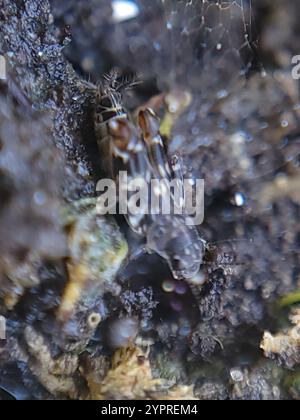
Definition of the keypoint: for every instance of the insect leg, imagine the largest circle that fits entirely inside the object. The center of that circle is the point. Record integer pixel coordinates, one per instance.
(168, 170)
(149, 124)
(129, 155)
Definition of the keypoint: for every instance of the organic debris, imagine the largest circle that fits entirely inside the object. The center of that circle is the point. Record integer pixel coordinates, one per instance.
(130, 377)
(285, 346)
(96, 252)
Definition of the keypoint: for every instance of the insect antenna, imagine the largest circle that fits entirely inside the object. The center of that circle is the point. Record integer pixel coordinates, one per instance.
(212, 245)
(215, 257)
(111, 78)
(128, 82)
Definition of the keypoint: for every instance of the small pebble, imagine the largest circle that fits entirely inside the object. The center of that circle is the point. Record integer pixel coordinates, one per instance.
(236, 375)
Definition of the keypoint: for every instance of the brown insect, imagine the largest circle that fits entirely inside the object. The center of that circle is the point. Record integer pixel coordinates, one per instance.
(139, 150)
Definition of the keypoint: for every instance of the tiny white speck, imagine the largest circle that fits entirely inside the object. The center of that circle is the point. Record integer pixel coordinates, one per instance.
(169, 26)
(199, 279)
(138, 148)
(222, 94)
(124, 10)
(239, 199)
(263, 73)
(173, 108)
(157, 46)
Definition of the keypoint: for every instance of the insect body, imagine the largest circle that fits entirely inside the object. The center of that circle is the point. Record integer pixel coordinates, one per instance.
(167, 235)
(108, 107)
(138, 149)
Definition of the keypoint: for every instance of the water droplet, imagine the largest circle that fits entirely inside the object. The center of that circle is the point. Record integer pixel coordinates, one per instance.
(168, 286)
(263, 73)
(284, 124)
(199, 279)
(124, 10)
(173, 108)
(239, 199)
(222, 94)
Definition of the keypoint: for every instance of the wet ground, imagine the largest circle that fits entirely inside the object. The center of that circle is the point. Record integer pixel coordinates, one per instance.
(69, 295)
